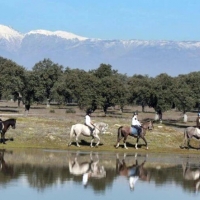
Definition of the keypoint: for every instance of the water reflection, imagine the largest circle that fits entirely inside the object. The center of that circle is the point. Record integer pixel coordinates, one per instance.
(88, 168)
(191, 173)
(134, 172)
(101, 172)
(6, 169)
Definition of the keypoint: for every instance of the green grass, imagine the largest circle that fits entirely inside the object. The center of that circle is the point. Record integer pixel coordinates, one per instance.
(50, 130)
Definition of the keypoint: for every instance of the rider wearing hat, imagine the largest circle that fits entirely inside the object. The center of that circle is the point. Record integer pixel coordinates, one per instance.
(198, 121)
(88, 121)
(135, 123)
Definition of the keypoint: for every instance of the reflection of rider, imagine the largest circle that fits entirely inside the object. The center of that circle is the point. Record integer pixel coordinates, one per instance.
(135, 123)
(88, 121)
(198, 121)
(132, 181)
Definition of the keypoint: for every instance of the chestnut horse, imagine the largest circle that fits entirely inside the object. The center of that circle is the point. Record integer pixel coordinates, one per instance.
(124, 131)
(5, 126)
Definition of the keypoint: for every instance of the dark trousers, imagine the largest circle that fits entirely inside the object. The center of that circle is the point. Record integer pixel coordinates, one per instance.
(1, 126)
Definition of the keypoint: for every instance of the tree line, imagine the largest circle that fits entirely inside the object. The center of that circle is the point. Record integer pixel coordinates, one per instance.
(99, 88)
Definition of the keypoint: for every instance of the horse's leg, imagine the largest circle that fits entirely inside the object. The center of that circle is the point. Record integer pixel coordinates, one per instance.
(125, 142)
(118, 140)
(188, 143)
(92, 140)
(77, 144)
(119, 137)
(145, 142)
(3, 137)
(98, 138)
(137, 143)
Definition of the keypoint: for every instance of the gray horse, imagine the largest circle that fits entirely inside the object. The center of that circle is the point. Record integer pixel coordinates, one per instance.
(189, 133)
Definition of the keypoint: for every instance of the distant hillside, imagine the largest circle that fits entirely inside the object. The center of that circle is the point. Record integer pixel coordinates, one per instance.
(130, 56)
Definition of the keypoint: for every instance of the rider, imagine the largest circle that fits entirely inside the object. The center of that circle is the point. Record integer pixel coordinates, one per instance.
(135, 123)
(1, 125)
(198, 121)
(88, 121)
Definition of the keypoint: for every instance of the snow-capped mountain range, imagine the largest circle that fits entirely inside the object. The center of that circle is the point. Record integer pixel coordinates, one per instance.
(127, 56)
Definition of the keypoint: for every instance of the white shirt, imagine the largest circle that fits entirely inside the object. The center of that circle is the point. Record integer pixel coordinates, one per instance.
(87, 120)
(135, 121)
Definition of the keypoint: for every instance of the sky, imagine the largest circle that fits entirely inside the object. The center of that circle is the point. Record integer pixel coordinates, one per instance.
(176, 20)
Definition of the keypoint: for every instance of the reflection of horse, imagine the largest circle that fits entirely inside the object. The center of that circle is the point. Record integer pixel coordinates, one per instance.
(192, 174)
(5, 126)
(78, 129)
(4, 167)
(124, 131)
(189, 133)
(133, 172)
(89, 169)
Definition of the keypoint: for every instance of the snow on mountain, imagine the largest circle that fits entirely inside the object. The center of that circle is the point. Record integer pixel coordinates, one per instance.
(62, 34)
(9, 38)
(127, 56)
(8, 33)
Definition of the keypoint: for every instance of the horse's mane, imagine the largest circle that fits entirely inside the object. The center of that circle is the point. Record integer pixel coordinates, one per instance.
(11, 119)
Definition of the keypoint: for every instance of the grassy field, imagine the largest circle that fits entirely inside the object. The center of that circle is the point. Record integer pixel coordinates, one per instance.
(49, 128)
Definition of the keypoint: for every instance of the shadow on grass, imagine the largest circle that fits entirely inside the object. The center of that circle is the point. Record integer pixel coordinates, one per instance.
(85, 143)
(190, 147)
(130, 145)
(7, 139)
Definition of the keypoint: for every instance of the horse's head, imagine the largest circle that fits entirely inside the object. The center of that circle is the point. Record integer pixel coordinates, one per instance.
(150, 125)
(102, 127)
(13, 123)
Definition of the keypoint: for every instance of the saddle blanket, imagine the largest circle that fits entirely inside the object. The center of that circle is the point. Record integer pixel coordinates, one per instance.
(133, 131)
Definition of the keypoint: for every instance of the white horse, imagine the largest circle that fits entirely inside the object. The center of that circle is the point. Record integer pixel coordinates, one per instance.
(87, 168)
(78, 129)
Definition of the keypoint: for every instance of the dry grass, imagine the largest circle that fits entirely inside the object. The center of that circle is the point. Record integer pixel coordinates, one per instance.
(43, 128)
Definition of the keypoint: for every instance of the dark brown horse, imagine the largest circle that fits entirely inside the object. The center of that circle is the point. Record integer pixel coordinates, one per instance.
(5, 126)
(133, 172)
(124, 131)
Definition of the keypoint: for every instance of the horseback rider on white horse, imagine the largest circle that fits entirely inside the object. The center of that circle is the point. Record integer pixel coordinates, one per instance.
(88, 121)
(135, 123)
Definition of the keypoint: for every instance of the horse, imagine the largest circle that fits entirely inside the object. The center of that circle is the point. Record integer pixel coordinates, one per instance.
(5, 126)
(87, 168)
(124, 131)
(189, 133)
(78, 129)
(134, 172)
(192, 173)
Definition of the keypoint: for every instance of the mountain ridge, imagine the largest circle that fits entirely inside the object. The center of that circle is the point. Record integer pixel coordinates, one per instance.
(127, 56)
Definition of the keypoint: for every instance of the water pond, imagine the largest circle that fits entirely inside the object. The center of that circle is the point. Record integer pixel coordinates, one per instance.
(48, 174)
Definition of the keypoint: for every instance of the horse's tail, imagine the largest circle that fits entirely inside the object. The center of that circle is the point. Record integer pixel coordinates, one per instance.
(119, 132)
(71, 132)
(185, 137)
